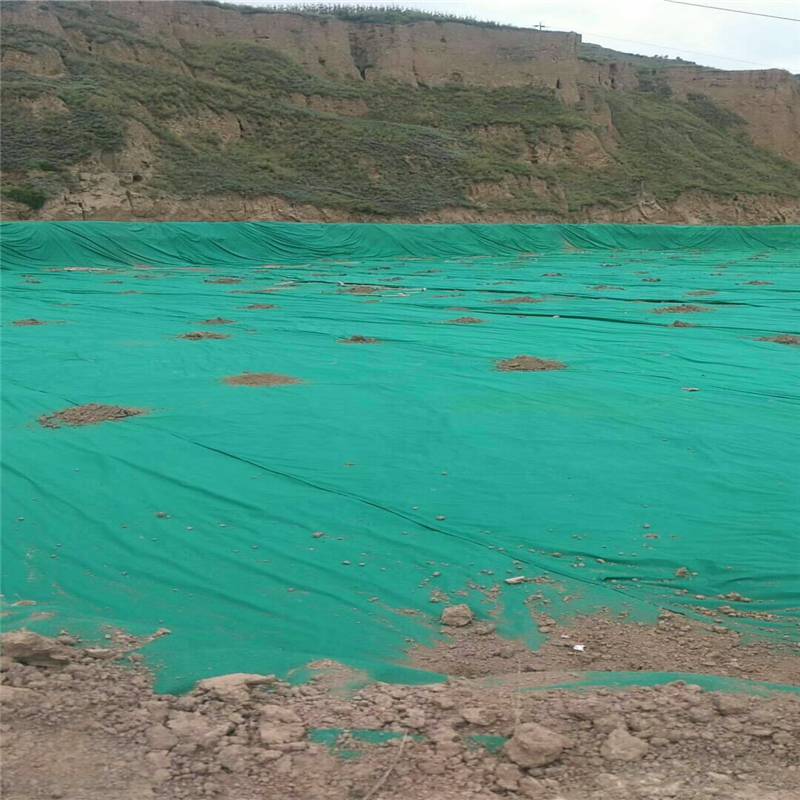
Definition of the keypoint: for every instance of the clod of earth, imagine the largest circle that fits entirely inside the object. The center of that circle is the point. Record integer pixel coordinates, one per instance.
(465, 321)
(682, 309)
(457, 616)
(680, 324)
(512, 301)
(359, 340)
(196, 335)
(758, 283)
(222, 280)
(89, 414)
(528, 364)
(261, 379)
(260, 307)
(217, 321)
(782, 339)
(622, 746)
(533, 745)
(360, 289)
(20, 323)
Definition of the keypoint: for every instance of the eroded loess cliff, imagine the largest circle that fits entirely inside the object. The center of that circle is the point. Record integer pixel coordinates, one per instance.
(178, 110)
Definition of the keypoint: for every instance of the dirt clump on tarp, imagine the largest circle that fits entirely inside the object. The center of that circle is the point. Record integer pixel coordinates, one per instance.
(528, 364)
(682, 309)
(218, 321)
(261, 307)
(758, 283)
(512, 301)
(195, 336)
(782, 339)
(25, 323)
(261, 379)
(360, 289)
(465, 321)
(701, 293)
(88, 725)
(681, 324)
(359, 340)
(89, 414)
(222, 280)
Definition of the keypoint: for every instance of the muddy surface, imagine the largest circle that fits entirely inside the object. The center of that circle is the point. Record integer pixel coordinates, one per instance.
(84, 724)
(783, 339)
(465, 321)
(89, 414)
(261, 379)
(198, 335)
(359, 340)
(24, 323)
(682, 309)
(528, 364)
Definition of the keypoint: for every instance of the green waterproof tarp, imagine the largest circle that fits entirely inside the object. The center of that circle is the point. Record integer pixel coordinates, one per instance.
(430, 473)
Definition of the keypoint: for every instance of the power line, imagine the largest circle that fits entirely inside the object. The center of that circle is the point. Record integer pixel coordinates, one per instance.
(731, 10)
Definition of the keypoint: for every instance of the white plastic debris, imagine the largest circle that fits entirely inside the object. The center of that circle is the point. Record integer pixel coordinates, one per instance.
(579, 648)
(515, 580)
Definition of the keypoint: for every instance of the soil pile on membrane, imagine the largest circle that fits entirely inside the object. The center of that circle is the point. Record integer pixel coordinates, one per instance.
(261, 379)
(782, 339)
(197, 335)
(684, 309)
(359, 340)
(89, 414)
(529, 364)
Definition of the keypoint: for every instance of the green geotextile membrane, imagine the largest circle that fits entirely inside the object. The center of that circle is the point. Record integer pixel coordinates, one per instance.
(426, 468)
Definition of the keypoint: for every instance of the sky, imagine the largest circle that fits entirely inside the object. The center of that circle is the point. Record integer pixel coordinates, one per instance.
(650, 27)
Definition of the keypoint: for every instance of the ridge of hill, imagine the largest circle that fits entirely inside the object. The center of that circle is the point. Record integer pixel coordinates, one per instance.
(198, 110)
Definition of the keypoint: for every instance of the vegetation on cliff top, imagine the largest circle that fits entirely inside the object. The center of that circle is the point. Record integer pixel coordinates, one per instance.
(359, 146)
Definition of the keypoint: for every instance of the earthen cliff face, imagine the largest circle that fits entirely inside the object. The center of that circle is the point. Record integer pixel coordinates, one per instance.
(420, 54)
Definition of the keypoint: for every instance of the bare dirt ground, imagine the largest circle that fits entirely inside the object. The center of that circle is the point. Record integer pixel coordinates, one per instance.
(83, 724)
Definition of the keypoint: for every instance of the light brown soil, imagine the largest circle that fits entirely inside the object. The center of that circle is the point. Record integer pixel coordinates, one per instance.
(605, 287)
(675, 644)
(684, 309)
(261, 307)
(222, 280)
(758, 283)
(680, 324)
(89, 414)
(360, 289)
(528, 364)
(513, 301)
(24, 323)
(83, 724)
(465, 321)
(782, 339)
(701, 293)
(261, 379)
(197, 335)
(218, 321)
(359, 340)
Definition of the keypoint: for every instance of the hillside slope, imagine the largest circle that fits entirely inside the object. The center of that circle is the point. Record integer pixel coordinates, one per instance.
(178, 110)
